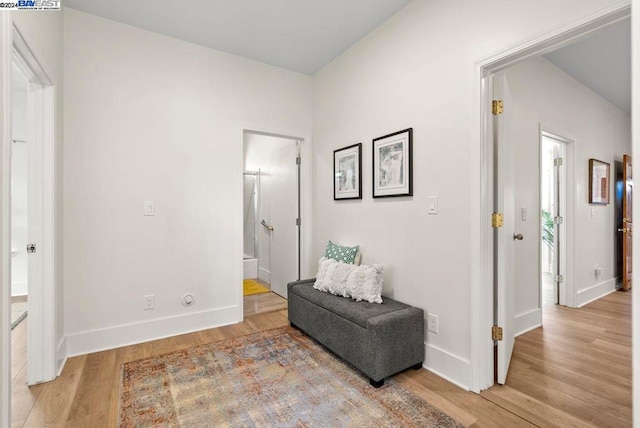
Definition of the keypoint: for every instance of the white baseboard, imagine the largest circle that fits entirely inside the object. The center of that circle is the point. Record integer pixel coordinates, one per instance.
(19, 288)
(61, 355)
(528, 321)
(264, 275)
(448, 366)
(595, 292)
(86, 342)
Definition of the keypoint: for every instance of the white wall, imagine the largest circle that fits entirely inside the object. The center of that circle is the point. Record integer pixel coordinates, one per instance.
(416, 70)
(541, 93)
(149, 117)
(19, 191)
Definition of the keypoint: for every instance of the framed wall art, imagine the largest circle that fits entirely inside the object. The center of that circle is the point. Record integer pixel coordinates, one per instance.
(598, 182)
(392, 174)
(347, 173)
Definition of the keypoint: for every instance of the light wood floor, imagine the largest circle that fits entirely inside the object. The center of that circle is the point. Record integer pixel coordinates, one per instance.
(550, 384)
(576, 369)
(264, 302)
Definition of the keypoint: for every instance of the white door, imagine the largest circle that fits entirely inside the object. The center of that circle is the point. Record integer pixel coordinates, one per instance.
(558, 216)
(39, 131)
(35, 345)
(284, 212)
(505, 236)
(557, 206)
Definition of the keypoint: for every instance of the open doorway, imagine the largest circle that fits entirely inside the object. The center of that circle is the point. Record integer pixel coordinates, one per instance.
(30, 238)
(542, 92)
(271, 220)
(577, 229)
(491, 301)
(553, 218)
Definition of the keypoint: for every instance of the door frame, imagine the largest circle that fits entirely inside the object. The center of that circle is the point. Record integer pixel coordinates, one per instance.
(481, 233)
(42, 356)
(304, 200)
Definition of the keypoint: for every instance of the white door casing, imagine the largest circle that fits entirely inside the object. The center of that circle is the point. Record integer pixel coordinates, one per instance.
(5, 219)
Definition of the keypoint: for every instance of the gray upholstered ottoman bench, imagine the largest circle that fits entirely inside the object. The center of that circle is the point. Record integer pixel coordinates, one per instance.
(378, 339)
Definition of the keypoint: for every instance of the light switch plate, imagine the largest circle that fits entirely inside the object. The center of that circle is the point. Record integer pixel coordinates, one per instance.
(149, 208)
(524, 214)
(432, 204)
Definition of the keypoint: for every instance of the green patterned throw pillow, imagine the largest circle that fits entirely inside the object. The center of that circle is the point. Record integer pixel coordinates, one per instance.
(341, 254)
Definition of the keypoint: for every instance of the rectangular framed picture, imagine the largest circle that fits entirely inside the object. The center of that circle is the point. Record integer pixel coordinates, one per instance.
(392, 175)
(598, 182)
(347, 173)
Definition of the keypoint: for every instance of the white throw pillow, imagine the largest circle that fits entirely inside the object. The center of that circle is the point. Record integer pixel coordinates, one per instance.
(342, 279)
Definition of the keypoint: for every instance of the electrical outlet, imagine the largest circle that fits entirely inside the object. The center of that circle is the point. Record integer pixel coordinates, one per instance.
(188, 299)
(598, 272)
(149, 302)
(432, 323)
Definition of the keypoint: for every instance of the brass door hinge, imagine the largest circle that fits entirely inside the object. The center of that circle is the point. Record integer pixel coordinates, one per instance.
(497, 107)
(496, 333)
(497, 220)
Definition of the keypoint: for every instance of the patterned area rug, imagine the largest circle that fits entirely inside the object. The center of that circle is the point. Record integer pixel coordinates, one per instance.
(251, 286)
(275, 378)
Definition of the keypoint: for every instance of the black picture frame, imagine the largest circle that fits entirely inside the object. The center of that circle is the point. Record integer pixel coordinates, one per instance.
(392, 157)
(599, 182)
(347, 173)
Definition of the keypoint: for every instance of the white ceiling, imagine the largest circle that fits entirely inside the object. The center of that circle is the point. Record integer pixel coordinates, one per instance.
(305, 35)
(298, 35)
(602, 63)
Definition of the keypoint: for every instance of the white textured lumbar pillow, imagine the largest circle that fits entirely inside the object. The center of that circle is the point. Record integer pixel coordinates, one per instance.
(342, 279)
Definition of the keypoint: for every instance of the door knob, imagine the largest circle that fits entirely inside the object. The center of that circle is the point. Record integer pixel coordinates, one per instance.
(518, 236)
(623, 230)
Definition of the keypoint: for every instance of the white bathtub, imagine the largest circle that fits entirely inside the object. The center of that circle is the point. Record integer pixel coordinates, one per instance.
(249, 268)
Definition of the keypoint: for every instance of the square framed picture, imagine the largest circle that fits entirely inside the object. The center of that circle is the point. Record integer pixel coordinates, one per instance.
(347, 173)
(392, 175)
(598, 182)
